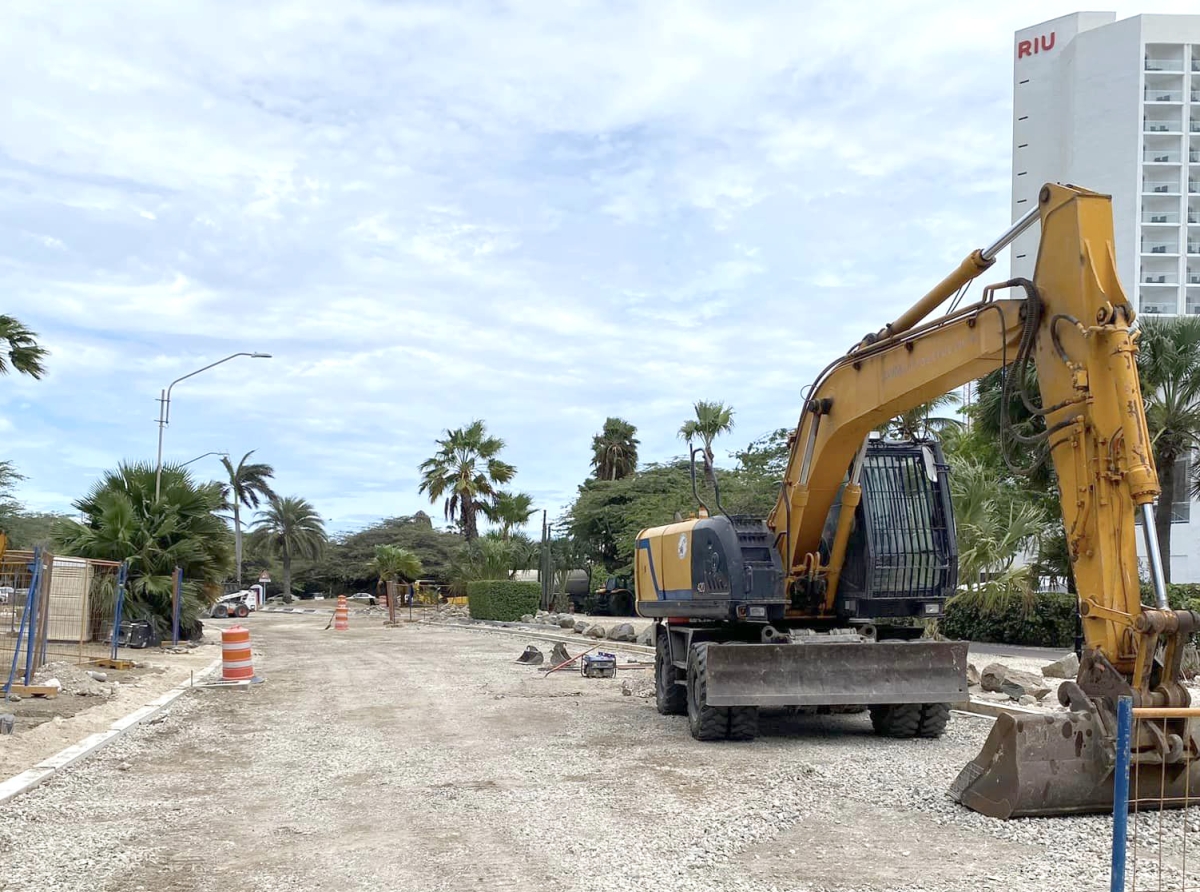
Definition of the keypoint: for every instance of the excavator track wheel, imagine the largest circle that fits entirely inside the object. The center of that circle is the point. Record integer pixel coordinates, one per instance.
(669, 696)
(743, 722)
(704, 721)
(934, 718)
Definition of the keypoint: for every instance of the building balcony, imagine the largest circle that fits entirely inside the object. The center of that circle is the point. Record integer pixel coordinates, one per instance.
(1166, 65)
(1159, 279)
(1193, 276)
(1160, 187)
(1194, 126)
(1158, 308)
(1160, 127)
(1196, 65)
(1154, 94)
(1159, 248)
(1152, 217)
(1193, 248)
(1194, 187)
(1194, 157)
(1159, 156)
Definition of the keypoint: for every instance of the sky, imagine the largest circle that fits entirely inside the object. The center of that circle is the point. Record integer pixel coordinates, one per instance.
(537, 213)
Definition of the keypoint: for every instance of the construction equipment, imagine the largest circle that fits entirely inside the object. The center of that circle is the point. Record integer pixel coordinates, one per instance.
(613, 598)
(792, 611)
(598, 665)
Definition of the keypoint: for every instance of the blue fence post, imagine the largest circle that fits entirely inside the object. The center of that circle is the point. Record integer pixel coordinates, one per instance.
(31, 610)
(119, 606)
(177, 606)
(12, 669)
(1121, 793)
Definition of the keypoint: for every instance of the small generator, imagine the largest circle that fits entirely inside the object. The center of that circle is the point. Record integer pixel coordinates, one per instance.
(598, 665)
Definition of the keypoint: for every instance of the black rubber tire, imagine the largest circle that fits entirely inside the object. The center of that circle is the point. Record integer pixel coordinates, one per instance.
(669, 697)
(934, 718)
(622, 604)
(704, 721)
(901, 720)
(743, 722)
(220, 611)
(242, 611)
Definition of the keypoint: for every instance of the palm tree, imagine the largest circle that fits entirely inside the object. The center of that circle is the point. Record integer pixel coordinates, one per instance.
(24, 353)
(124, 521)
(1169, 366)
(510, 510)
(920, 422)
(247, 487)
(290, 528)
(615, 450)
(712, 420)
(393, 563)
(466, 470)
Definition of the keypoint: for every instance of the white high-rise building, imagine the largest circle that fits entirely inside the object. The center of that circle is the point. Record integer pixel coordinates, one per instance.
(1114, 106)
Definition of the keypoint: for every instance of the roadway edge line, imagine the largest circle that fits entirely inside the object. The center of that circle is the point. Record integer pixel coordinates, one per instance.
(48, 767)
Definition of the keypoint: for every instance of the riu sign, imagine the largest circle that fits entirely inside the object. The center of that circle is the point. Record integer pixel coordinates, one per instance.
(1043, 44)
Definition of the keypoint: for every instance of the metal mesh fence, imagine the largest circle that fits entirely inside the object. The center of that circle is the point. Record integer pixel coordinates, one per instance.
(1156, 825)
(52, 608)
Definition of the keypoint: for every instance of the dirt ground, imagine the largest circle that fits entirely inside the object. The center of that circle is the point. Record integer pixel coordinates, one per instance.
(44, 726)
(424, 758)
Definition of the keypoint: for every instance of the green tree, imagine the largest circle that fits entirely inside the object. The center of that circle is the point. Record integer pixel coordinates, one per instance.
(466, 470)
(123, 521)
(712, 419)
(767, 456)
(1169, 367)
(919, 422)
(290, 527)
(345, 562)
(492, 557)
(615, 450)
(248, 486)
(9, 506)
(510, 510)
(394, 564)
(23, 353)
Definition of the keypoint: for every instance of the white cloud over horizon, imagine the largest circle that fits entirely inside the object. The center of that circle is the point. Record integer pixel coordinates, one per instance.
(536, 213)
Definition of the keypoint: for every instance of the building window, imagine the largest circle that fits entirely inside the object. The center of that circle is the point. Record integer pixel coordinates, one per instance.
(1181, 506)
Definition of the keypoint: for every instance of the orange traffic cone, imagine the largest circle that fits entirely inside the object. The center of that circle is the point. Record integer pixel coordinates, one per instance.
(341, 615)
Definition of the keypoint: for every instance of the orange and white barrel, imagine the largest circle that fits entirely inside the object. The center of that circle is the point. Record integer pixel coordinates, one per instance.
(341, 615)
(236, 662)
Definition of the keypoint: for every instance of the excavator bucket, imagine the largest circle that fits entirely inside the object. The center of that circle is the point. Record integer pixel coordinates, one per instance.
(1063, 765)
(837, 674)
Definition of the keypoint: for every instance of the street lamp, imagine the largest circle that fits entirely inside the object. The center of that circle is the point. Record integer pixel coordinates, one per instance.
(164, 410)
(205, 455)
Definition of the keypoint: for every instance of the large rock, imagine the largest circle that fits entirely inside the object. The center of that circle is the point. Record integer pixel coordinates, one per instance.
(1013, 683)
(596, 631)
(527, 618)
(622, 632)
(972, 674)
(1190, 663)
(1067, 667)
(566, 622)
(581, 627)
(646, 636)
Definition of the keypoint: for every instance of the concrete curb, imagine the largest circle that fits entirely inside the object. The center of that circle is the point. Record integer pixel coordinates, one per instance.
(47, 768)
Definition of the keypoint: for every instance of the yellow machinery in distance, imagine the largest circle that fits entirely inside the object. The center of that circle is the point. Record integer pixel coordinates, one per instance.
(746, 607)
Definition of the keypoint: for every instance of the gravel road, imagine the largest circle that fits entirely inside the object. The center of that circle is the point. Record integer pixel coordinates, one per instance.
(423, 758)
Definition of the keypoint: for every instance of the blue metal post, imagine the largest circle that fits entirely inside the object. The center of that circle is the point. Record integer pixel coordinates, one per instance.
(12, 670)
(1121, 793)
(119, 607)
(177, 606)
(31, 610)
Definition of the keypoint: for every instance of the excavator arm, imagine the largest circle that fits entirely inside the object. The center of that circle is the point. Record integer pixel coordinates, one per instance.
(1073, 323)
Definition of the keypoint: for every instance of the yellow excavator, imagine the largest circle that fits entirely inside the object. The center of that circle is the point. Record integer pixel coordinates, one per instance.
(801, 609)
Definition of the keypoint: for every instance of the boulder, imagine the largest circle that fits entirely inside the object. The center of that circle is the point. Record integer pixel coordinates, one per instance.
(646, 636)
(972, 674)
(626, 688)
(622, 632)
(1190, 663)
(1067, 667)
(596, 632)
(1028, 700)
(1013, 683)
(566, 622)
(581, 627)
(527, 618)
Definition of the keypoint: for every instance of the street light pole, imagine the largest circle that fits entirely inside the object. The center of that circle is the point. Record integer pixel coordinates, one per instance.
(164, 410)
(205, 455)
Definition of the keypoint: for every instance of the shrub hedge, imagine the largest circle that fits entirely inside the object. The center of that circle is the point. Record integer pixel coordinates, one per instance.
(1049, 622)
(504, 600)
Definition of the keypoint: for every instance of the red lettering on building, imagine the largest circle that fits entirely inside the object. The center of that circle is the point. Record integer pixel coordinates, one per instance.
(1042, 44)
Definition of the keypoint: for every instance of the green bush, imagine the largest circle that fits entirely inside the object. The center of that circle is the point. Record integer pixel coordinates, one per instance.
(502, 599)
(1180, 596)
(1048, 622)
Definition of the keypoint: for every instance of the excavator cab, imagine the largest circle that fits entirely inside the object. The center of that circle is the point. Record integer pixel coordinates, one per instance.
(902, 555)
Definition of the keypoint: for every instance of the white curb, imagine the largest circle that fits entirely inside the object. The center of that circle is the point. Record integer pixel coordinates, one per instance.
(47, 768)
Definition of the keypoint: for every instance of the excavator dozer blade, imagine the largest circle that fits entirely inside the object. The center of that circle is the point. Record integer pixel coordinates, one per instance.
(837, 674)
(1062, 765)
